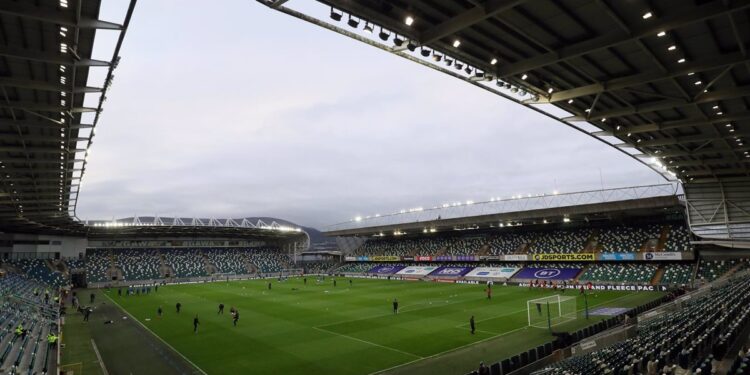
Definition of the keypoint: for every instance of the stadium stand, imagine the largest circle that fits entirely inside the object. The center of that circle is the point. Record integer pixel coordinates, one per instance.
(137, 264)
(680, 274)
(38, 269)
(26, 320)
(149, 264)
(318, 267)
(710, 270)
(680, 340)
(228, 260)
(622, 238)
(630, 273)
(185, 262)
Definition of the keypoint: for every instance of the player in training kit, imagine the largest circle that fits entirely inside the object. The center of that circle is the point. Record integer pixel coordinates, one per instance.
(472, 324)
(195, 324)
(395, 306)
(178, 306)
(221, 308)
(236, 317)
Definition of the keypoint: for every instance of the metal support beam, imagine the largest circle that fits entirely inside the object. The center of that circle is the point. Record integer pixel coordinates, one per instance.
(48, 57)
(33, 106)
(668, 22)
(60, 17)
(731, 93)
(642, 78)
(686, 123)
(45, 86)
(467, 18)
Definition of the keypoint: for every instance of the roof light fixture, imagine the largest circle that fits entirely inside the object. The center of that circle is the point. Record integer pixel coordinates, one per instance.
(335, 16)
(456, 43)
(493, 61)
(647, 15)
(661, 34)
(409, 20)
(352, 22)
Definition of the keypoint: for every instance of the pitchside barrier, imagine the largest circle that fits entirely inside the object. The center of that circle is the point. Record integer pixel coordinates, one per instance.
(195, 280)
(650, 256)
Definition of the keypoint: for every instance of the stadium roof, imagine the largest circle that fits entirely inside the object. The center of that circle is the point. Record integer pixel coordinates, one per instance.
(45, 60)
(522, 210)
(147, 226)
(666, 82)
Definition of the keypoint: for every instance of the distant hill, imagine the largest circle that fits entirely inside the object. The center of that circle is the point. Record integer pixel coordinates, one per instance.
(316, 236)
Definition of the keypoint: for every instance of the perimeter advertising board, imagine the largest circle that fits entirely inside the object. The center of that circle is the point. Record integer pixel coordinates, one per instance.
(493, 272)
(416, 271)
(564, 257)
(451, 271)
(548, 273)
(385, 270)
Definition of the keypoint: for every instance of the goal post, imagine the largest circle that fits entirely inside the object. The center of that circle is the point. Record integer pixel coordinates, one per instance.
(550, 311)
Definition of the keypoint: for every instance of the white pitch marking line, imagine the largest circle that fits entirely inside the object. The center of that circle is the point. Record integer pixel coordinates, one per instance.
(155, 335)
(368, 342)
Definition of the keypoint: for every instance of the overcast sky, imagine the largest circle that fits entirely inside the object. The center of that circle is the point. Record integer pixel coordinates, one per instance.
(237, 110)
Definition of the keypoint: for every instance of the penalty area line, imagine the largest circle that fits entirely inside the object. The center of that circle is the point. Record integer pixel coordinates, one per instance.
(367, 342)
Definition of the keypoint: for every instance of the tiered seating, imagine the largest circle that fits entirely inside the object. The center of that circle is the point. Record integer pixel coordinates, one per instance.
(627, 238)
(710, 270)
(507, 243)
(27, 353)
(679, 239)
(185, 262)
(317, 267)
(560, 241)
(37, 269)
(74, 264)
(354, 268)
(630, 273)
(402, 247)
(682, 338)
(138, 264)
(269, 260)
(611, 239)
(677, 274)
(464, 245)
(228, 260)
(97, 264)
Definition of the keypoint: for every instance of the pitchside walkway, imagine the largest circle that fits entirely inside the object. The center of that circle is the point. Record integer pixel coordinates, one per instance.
(124, 346)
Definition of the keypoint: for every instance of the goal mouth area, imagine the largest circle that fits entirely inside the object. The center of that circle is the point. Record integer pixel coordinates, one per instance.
(550, 311)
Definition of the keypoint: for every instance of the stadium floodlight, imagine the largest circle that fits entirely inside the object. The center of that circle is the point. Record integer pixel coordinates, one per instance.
(436, 57)
(411, 46)
(448, 61)
(424, 52)
(398, 41)
(459, 65)
(368, 27)
(468, 69)
(566, 220)
(352, 22)
(335, 16)
(383, 35)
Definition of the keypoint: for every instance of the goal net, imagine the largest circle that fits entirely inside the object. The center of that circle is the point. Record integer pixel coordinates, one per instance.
(550, 311)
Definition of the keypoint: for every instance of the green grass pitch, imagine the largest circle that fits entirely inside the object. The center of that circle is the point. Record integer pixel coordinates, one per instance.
(321, 329)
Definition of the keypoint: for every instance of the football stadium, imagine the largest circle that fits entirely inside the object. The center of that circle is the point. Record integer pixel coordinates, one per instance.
(637, 279)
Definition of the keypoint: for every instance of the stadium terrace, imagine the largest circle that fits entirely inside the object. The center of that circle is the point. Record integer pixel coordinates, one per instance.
(633, 280)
